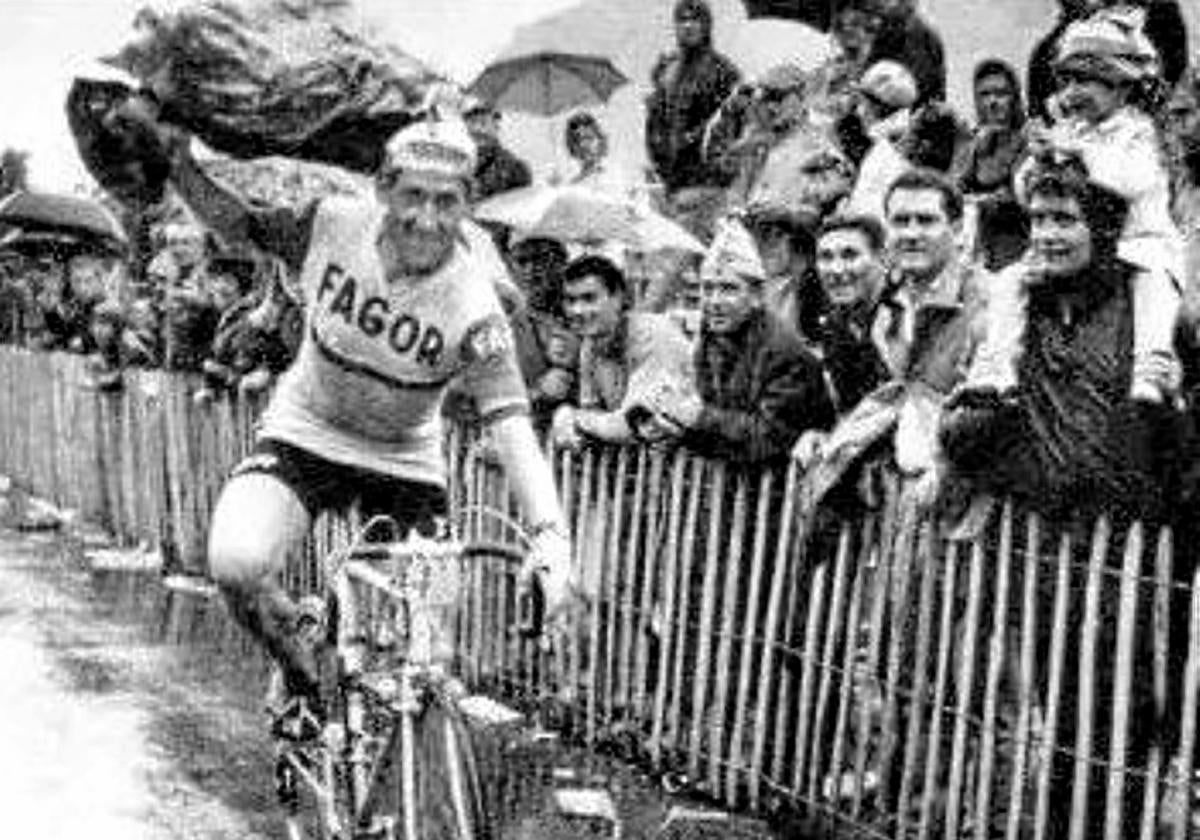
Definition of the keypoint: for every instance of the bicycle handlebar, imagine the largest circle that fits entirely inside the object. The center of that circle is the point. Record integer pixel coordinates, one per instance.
(531, 621)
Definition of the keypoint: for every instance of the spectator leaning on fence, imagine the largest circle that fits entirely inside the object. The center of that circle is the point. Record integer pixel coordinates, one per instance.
(758, 388)
(851, 271)
(1071, 443)
(785, 242)
(926, 326)
(547, 349)
(1068, 433)
(622, 355)
(1103, 60)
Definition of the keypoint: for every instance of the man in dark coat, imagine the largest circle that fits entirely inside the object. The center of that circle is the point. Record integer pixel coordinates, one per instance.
(905, 37)
(497, 169)
(758, 387)
(689, 84)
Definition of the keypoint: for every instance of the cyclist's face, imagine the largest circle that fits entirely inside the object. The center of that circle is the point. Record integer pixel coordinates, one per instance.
(424, 213)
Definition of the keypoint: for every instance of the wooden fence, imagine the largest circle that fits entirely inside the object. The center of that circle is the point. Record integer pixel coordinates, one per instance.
(871, 677)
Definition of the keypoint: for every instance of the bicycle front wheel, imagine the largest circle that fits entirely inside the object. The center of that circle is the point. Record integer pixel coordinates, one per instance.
(431, 789)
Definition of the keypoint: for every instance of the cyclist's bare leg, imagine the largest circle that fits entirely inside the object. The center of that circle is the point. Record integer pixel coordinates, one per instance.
(258, 522)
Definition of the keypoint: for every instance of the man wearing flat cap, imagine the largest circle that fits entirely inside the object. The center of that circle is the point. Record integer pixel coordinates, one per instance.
(400, 300)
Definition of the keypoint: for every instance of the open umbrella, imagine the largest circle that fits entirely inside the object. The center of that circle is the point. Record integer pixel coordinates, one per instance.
(578, 214)
(54, 244)
(816, 13)
(757, 46)
(547, 83)
(67, 214)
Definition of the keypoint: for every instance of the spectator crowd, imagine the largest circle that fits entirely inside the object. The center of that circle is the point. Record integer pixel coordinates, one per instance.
(1003, 304)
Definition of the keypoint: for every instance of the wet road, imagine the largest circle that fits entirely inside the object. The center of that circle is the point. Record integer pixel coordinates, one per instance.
(124, 719)
(104, 733)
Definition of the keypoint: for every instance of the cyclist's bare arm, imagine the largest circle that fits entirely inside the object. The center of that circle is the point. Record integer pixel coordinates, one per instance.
(528, 470)
(278, 230)
(493, 377)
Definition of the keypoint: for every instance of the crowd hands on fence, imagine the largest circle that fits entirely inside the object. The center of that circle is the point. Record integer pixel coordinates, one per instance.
(806, 333)
(795, 182)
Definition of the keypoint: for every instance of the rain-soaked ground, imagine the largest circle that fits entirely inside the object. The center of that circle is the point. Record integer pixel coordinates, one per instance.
(124, 719)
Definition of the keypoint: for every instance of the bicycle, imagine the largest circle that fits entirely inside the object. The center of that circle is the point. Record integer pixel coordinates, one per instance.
(394, 761)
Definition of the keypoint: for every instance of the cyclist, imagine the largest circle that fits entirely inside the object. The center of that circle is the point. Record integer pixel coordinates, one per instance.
(399, 296)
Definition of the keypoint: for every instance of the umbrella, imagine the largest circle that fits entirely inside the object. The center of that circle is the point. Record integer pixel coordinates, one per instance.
(547, 83)
(53, 244)
(757, 46)
(818, 14)
(68, 214)
(580, 214)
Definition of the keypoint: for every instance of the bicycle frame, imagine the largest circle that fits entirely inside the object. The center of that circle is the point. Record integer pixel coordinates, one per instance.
(391, 654)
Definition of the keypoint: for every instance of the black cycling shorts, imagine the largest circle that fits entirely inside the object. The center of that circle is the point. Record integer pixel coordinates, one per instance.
(323, 485)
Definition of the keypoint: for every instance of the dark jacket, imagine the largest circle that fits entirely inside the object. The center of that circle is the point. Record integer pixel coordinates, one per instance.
(761, 388)
(688, 88)
(498, 170)
(1040, 84)
(906, 38)
(852, 363)
(1070, 439)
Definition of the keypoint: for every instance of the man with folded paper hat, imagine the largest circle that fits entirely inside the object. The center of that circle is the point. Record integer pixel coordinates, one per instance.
(400, 299)
(757, 387)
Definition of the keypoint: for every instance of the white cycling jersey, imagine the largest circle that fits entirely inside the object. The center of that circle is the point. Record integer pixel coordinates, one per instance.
(366, 388)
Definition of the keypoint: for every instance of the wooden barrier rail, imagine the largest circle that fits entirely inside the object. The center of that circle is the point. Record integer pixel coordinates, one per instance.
(1040, 680)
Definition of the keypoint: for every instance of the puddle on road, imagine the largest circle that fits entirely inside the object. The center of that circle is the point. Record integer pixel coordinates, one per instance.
(209, 719)
(87, 675)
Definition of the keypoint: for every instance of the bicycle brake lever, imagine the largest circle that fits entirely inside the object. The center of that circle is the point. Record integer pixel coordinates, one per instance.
(532, 610)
